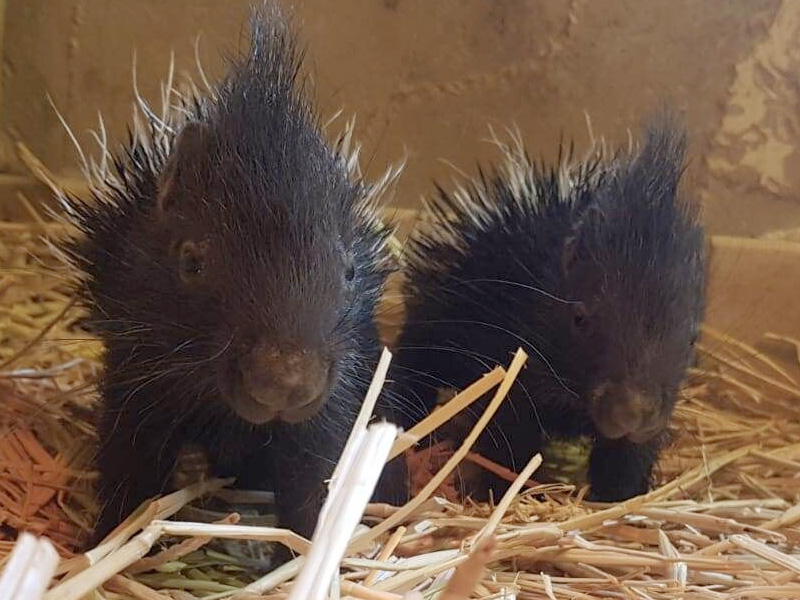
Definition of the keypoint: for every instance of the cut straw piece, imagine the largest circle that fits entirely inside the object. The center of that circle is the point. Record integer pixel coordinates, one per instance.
(408, 579)
(270, 581)
(37, 168)
(613, 557)
(19, 560)
(134, 589)
(31, 210)
(363, 541)
(29, 569)
(678, 569)
(385, 554)
(446, 412)
(39, 572)
(511, 493)
(366, 593)
(38, 338)
(358, 430)
(794, 342)
(751, 351)
(533, 535)
(777, 460)
(736, 365)
(707, 523)
(761, 549)
(467, 575)
(93, 577)
(345, 508)
(288, 538)
(788, 518)
(496, 469)
(371, 398)
(178, 550)
(159, 509)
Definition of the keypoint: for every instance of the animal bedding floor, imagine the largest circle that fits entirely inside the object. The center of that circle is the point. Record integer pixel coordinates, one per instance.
(725, 522)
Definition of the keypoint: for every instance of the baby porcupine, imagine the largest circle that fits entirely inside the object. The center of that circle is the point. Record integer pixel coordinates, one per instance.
(597, 270)
(231, 264)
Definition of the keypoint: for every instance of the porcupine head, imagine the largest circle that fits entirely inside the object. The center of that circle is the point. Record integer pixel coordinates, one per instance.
(634, 275)
(236, 249)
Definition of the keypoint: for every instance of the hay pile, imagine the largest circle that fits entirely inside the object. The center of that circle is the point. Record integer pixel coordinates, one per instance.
(724, 524)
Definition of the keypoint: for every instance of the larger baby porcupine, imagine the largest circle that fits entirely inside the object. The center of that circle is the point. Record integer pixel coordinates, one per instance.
(231, 265)
(597, 270)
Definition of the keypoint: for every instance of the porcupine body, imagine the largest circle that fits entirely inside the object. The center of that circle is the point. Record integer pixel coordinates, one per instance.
(231, 263)
(597, 270)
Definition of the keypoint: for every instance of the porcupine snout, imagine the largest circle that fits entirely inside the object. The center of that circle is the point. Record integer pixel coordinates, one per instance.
(622, 410)
(286, 384)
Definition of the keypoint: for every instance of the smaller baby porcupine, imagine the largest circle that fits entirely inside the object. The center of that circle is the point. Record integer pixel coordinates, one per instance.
(231, 265)
(596, 270)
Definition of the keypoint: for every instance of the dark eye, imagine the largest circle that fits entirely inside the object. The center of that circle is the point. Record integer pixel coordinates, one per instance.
(580, 317)
(190, 262)
(350, 272)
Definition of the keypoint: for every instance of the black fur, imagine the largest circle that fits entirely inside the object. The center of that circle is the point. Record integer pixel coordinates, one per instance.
(596, 270)
(293, 252)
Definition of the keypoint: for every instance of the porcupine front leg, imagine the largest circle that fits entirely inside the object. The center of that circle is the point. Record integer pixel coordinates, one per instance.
(302, 469)
(135, 461)
(300, 488)
(620, 469)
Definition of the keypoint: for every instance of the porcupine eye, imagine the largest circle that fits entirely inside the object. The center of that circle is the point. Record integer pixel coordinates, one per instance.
(350, 272)
(190, 262)
(349, 262)
(580, 317)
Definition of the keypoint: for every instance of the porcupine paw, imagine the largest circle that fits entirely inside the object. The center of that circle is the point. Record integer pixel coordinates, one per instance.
(261, 557)
(619, 470)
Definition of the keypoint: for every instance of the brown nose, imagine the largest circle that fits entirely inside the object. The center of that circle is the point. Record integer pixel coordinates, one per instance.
(284, 380)
(620, 411)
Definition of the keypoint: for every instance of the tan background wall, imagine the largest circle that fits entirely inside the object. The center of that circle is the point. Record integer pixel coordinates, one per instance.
(426, 77)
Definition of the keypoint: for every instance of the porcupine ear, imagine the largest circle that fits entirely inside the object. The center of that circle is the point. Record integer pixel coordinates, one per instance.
(573, 248)
(569, 252)
(189, 152)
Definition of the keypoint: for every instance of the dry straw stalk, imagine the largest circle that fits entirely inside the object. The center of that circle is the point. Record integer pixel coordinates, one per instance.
(723, 523)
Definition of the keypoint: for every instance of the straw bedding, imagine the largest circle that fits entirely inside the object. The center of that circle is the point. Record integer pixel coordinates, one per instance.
(723, 524)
